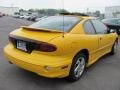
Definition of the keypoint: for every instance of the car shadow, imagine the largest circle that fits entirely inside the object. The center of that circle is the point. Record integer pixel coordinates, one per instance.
(39, 80)
(99, 61)
(60, 84)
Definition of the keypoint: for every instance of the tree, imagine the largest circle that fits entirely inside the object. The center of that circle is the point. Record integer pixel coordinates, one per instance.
(21, 10)
(97, 13)
(115, 14)
(31, 10)
(48, 12)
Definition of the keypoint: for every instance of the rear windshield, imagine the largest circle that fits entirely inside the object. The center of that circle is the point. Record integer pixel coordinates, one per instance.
(60, 23)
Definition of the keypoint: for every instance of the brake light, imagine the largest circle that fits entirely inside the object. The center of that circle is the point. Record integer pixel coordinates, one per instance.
(45, 47)
(31, 44)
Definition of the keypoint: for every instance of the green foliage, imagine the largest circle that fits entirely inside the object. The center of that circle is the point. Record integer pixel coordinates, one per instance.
(115, 14)
(48, 11)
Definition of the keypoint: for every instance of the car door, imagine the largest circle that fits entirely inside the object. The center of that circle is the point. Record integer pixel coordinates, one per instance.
(118, 22)
(92, 40)
(105, 39)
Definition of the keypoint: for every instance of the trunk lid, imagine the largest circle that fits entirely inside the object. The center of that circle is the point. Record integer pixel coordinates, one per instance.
(39, 34)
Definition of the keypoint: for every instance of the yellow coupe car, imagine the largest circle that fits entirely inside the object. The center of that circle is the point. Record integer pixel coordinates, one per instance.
(60, 46)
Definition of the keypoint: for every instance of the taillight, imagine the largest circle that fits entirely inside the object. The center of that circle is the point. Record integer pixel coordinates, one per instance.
(31, 44)
(45, 47)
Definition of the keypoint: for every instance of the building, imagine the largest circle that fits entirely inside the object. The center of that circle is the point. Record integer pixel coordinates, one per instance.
(9, 10)
(112, 12)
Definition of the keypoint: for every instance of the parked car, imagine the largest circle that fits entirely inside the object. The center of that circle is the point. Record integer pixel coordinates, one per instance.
(40, 18)
(16, 16)
(1, 14)
(60, 46)
(21, 17)
(24, 16)
(32, 18)
(113, 23)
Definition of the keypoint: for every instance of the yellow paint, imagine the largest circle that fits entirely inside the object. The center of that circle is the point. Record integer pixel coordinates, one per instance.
(67, 47)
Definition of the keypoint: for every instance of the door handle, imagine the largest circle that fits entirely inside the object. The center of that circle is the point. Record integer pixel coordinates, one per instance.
(100, 38)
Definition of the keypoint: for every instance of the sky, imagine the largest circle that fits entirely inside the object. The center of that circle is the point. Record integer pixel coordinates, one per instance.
(70, 5)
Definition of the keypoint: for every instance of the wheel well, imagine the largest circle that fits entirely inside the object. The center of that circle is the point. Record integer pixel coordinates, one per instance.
(86, 52)
(117, 40)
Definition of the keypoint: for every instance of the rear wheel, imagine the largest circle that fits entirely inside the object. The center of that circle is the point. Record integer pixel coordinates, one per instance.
(78, 67)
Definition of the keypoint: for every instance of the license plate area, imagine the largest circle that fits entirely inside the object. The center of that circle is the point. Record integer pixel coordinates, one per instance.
(21, 45)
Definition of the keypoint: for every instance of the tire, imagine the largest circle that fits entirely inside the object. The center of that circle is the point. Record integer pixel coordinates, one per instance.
(114, 48)
(76, 70)
(118, 31)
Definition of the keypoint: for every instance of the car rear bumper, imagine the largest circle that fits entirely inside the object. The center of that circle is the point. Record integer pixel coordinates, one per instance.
(38, 63)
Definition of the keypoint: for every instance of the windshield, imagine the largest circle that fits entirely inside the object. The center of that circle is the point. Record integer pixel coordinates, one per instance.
(56, 23)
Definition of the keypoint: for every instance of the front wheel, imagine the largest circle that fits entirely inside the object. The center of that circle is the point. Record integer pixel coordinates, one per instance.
(114, 48)
(78, 67)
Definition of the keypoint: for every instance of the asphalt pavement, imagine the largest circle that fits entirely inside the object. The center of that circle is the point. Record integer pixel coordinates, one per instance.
(103, 75)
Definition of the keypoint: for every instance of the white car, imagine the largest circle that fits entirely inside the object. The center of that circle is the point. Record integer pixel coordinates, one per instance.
(38, 19)
(16, 16)
(24, 16)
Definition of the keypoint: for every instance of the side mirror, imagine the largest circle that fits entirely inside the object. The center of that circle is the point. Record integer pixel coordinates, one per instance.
(112, 31)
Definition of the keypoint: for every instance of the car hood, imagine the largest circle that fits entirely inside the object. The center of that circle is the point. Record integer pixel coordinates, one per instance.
(36, 34)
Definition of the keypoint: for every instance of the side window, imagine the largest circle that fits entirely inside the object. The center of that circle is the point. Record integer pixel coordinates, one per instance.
(99, 27)
(88, 27)
(119, 22)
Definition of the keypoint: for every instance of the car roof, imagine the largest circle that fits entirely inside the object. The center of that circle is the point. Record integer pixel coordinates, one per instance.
(79, 15)
(111, 19)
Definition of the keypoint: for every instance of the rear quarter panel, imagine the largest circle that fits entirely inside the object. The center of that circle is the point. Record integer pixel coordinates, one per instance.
(71, 44)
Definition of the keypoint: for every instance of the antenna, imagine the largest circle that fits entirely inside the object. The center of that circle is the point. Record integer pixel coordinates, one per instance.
(63, 17)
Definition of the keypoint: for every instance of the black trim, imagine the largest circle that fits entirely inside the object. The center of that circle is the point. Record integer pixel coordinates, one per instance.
(74, 25)
(24, 39)
(92, 25)
(31, 44)
(77, 14)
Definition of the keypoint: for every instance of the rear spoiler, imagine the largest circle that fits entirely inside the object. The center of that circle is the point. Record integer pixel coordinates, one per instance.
(40, 29)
